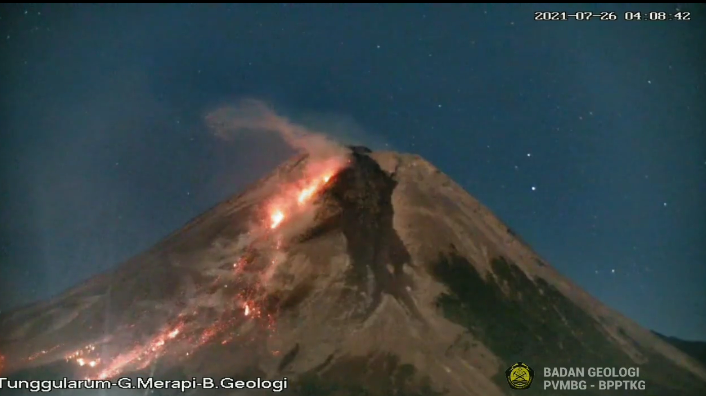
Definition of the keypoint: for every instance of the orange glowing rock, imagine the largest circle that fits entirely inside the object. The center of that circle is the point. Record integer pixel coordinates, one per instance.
(276, 218)
(306, 194)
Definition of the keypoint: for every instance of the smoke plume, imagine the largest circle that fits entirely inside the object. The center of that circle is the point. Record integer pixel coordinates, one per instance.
(290, 208)
(251, 116)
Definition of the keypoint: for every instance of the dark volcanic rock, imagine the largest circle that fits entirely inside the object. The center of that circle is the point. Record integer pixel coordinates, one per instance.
(362, 194)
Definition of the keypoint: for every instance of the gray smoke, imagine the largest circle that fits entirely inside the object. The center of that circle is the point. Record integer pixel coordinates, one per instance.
(251, 116)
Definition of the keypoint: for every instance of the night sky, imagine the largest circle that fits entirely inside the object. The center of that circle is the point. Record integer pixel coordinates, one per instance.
(588, 138)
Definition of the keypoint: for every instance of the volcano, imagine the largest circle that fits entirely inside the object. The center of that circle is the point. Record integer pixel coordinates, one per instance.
(368, 274)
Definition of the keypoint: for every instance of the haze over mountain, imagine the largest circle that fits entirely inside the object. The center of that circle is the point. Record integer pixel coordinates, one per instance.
(349, 272)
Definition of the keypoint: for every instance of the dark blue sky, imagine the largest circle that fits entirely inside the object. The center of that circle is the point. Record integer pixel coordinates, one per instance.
(104, 151)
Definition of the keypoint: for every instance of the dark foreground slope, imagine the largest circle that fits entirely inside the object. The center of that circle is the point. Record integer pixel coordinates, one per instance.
(695, 349)
(393, 281)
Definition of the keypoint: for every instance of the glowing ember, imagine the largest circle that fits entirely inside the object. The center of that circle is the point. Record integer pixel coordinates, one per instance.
(136, 359)
(208, 334)
(78, 355)
(240, 262)
(294, 196)
(312, 188)
(41, 353)
(306, 194)
(247, 310)
(36, 355)
(276, 218)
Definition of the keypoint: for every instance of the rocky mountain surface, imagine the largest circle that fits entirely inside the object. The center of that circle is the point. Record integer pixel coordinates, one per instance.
(695, 349)
(368, 274)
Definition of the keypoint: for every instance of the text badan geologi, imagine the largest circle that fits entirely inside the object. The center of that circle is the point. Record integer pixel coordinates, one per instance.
(612, 378)
(144, 383)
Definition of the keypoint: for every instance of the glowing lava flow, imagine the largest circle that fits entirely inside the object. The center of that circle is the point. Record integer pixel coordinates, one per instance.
(181, 338)
(312, 188)
(303, 195)
(42, 352)
(140, 356)
(276, 218)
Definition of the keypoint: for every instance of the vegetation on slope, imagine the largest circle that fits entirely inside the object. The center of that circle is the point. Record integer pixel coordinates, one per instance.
(523, 319)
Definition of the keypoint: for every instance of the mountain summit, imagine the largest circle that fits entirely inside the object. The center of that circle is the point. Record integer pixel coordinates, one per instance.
(371, 273)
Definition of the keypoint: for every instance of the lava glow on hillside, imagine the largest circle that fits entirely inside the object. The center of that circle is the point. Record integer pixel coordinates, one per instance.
(294, 198)
(185, 333)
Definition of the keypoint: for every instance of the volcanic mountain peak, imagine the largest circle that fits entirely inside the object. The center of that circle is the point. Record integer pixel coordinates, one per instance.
(372, 273)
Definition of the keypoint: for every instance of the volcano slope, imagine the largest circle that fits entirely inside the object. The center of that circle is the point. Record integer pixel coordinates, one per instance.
(384, 278)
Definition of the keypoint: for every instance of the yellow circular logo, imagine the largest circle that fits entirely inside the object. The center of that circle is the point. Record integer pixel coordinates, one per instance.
(519, 376)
